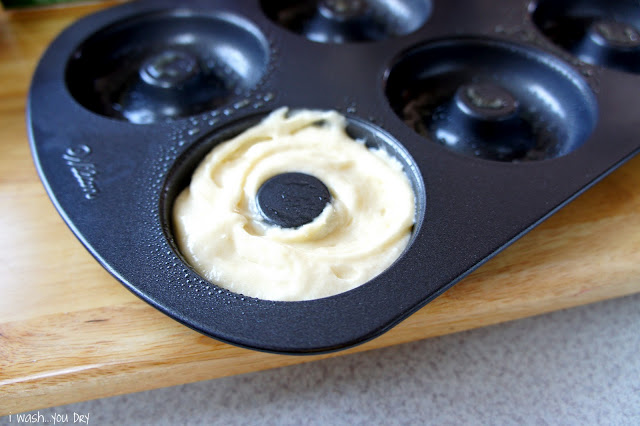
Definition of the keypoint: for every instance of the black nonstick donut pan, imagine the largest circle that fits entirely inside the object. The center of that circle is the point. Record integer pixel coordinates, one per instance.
(500, 111)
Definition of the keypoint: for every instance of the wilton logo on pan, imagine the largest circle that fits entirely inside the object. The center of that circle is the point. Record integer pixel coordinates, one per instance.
(84, 171)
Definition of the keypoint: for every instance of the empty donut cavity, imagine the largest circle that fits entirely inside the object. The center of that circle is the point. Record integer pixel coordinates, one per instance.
(597, 32)
(491, 99)
(344, 21)
(165, 66)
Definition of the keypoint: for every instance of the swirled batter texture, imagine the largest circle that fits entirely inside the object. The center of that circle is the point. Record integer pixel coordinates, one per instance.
(361, 232)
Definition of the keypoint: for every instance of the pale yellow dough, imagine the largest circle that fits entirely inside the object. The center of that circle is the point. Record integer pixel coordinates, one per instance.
(359, 234)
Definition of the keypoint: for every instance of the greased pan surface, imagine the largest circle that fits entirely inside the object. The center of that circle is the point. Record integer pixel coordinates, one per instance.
(496, 120)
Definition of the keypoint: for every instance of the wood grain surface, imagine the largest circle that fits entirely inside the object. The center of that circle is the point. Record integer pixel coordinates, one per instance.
(71, 332)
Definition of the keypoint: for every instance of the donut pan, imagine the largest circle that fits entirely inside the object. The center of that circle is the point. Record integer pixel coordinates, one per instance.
(501, 112)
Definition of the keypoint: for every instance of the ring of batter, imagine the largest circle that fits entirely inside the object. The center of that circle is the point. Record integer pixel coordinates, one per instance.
(361, 231)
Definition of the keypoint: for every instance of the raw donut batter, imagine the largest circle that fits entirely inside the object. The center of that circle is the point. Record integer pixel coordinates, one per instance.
(361, 231)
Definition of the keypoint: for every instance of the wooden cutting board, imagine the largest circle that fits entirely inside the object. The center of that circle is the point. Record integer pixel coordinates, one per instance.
(71, 332)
